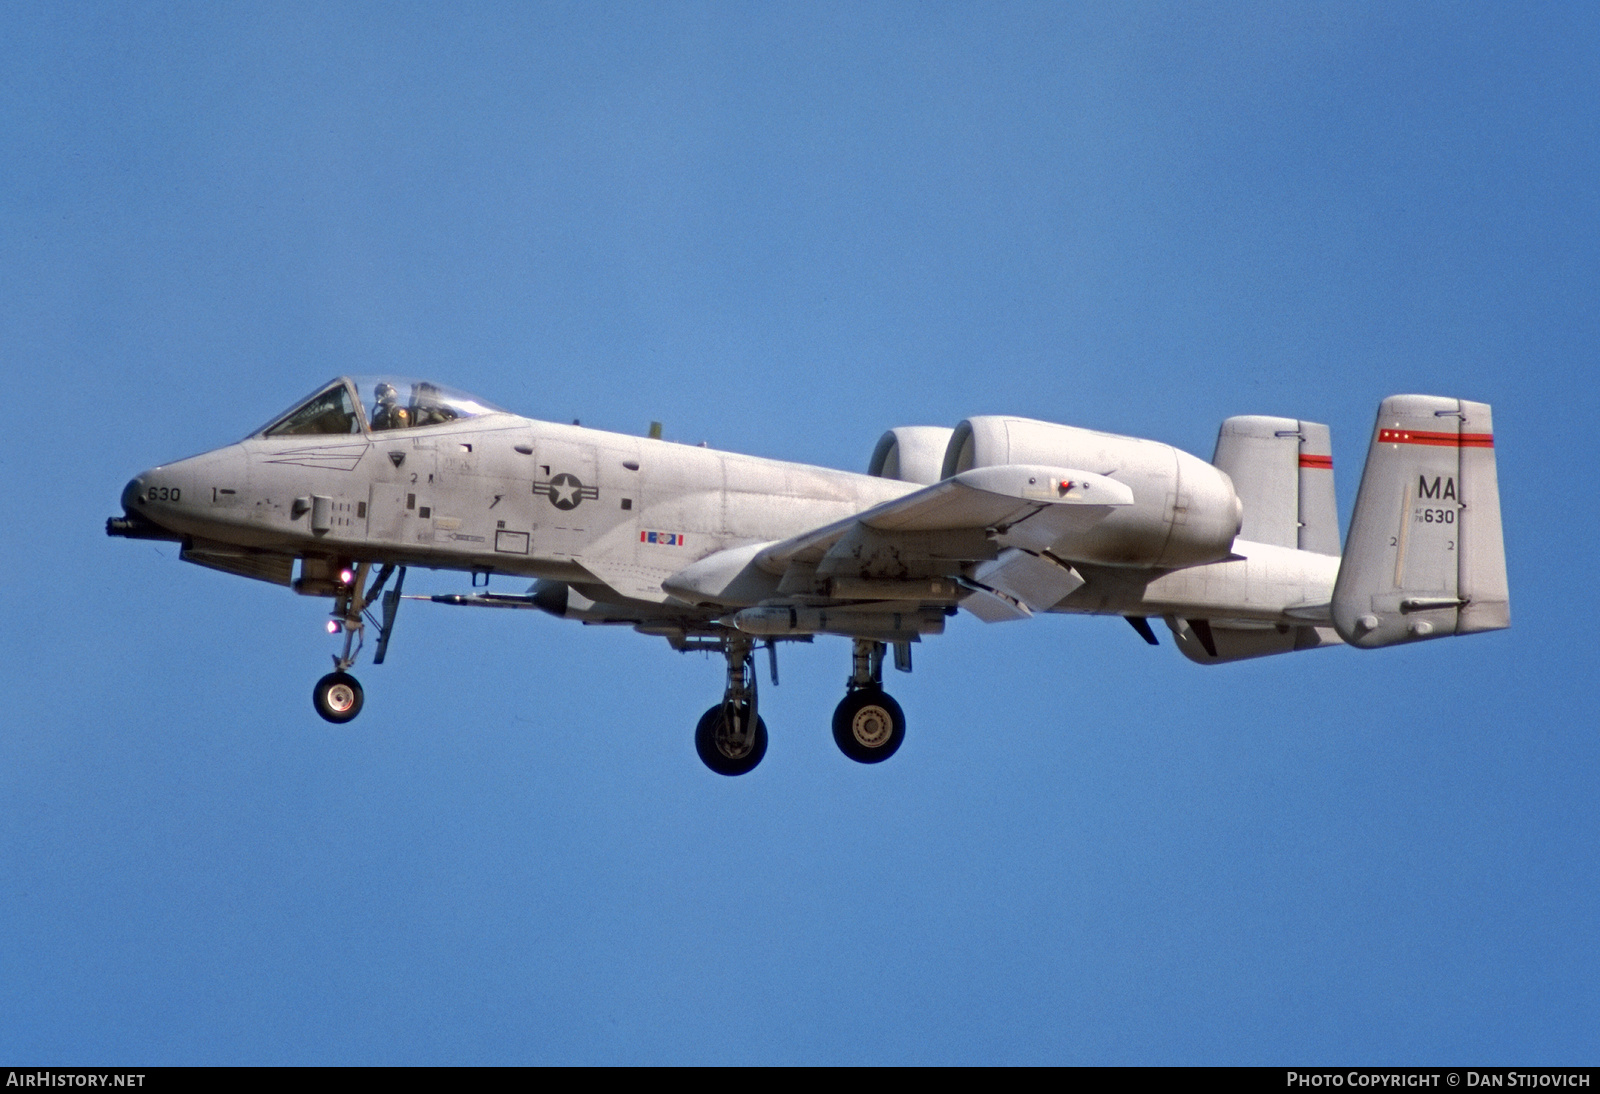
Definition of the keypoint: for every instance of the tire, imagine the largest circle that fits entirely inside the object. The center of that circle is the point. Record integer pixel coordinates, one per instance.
(337, 697)
(719, 753)
(868, 726)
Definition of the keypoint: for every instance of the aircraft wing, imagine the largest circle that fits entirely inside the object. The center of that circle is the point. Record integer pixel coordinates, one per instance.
(630, 579)
(1026, 505)
(917, 547)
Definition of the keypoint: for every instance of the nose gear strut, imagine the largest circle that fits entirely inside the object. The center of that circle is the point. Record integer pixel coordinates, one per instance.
(338, 696)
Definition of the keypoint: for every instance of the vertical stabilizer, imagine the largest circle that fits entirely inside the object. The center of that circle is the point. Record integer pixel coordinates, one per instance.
(1425, 557)
(1282, 470)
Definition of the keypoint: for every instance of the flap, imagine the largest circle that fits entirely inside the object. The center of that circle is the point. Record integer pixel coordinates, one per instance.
(1038, 582)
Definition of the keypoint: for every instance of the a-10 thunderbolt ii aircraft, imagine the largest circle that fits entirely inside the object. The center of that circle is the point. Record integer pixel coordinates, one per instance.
(1004, 517)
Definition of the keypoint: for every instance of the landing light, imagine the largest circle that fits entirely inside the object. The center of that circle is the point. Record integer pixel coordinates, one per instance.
(346, 577)
(333, 626)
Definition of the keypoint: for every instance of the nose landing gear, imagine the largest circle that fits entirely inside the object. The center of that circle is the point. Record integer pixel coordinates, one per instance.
(338, 696)
(868, 725)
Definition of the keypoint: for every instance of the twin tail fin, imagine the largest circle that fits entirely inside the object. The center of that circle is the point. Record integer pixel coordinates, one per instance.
(1425, 557)
(1282, 470)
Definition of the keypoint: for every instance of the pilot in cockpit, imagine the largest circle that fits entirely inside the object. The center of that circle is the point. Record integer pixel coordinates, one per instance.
(428, 406)
(388, 413)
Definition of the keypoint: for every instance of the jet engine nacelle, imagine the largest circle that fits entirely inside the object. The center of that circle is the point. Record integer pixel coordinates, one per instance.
(911, 453)
(1185, 511)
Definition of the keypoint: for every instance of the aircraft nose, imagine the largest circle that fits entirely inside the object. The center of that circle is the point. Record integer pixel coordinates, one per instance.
(137, 521)
(132, 494)
(158, 487)
(186, 488)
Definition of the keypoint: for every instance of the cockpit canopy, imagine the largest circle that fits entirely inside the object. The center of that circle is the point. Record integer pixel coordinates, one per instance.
(374, 404)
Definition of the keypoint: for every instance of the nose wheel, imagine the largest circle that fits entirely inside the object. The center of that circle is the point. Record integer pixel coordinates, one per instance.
(337, 697)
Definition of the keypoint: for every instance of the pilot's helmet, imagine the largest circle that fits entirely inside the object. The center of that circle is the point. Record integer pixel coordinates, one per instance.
(386, 393)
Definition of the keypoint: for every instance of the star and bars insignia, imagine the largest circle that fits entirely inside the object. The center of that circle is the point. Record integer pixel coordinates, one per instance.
(565, 491)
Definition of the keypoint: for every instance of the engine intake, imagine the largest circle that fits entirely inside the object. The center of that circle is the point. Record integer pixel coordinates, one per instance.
(911, 453)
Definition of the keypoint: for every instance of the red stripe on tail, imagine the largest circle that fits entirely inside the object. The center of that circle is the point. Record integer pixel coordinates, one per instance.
(1438, 440)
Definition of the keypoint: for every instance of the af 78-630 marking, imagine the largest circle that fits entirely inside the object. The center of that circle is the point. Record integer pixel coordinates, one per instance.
(1003, 517)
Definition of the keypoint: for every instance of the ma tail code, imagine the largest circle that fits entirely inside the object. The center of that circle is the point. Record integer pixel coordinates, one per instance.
(1432, 490)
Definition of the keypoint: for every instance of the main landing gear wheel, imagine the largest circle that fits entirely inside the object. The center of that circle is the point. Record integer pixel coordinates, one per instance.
(337, 697)
(728, 750)
(868, 726)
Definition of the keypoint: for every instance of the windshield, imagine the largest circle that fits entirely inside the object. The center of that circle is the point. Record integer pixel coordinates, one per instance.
(378, 403)
(328, 411)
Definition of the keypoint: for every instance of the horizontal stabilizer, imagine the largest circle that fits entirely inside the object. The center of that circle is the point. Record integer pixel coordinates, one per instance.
(1425, 557)
(1215, 643)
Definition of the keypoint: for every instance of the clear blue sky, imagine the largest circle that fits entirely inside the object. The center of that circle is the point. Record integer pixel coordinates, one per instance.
(783, 229)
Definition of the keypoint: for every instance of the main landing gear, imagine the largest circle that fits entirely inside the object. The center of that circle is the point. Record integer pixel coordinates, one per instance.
(868, 725)
(338, 696)
(731, 737)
